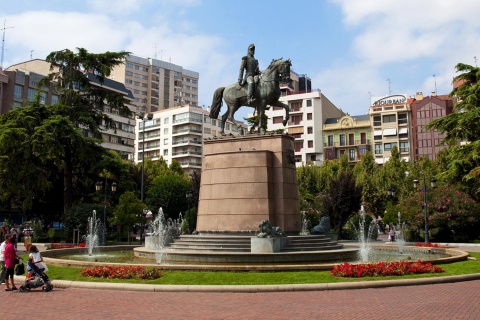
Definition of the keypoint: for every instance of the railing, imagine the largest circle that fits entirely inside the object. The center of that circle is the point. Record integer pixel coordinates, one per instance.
(186, 130)
(186, 141)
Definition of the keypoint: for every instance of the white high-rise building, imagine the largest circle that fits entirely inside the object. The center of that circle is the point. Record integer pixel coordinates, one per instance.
(177, 134)
(308, 112)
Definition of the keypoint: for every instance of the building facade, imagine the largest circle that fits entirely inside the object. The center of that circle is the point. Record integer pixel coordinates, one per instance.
(391, 123)
(22, 86)
(156, 84)
(347, 134)
(308, 112)
(177, 134)
(427, 143)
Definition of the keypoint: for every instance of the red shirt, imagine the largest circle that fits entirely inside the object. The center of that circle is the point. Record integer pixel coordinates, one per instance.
(9, 256)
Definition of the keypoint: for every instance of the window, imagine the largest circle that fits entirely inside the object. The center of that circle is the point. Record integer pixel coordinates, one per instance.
(389, 118)
(363, 138)
(378, 149)
(351, 139)
(309, 130)
(309, 116)
(313, 157)
(165, 141)
(277, 119)
(330, 141)
(309, 102)
(214, 122)
(17, 94)
(165, 121)
(403, 146)
(165, 152)
(377, 121)
(54, 99)
(351, 154)
(165, 130)
(310, 143)
(342, 139)
(31, 94)
(402, 118)
(207, 130)
(389, 146)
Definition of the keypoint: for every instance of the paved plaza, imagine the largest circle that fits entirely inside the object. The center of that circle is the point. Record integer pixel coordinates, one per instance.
(457, 300)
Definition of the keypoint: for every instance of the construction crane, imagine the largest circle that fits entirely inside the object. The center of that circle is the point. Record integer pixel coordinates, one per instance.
(3, 41)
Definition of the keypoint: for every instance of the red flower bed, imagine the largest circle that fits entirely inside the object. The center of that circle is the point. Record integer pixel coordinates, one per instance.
(122, 272)
(383, 269)
(429, 245)
(64, 245)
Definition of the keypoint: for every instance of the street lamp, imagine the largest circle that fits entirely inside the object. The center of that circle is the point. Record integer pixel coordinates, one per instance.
(98, 188)
(189, 196)
(144, 119)
(433, 183)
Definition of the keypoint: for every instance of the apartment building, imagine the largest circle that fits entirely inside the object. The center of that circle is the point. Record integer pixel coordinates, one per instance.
(391, 122)
(308, 112)
(157, 84)
(427, 143)
(347, 134)
(21, 86)
(177, 133)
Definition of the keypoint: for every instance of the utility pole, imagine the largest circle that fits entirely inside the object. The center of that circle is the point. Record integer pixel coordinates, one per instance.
(3, 41)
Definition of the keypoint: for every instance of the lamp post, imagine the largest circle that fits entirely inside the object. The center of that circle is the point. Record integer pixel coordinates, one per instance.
(98, 188)
(189, 196)
(424, 190)
(144, 119)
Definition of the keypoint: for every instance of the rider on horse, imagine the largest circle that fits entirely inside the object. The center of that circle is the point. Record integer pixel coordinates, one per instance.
(250, 65)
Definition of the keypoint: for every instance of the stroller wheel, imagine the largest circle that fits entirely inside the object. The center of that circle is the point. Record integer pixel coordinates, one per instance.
(22, 289)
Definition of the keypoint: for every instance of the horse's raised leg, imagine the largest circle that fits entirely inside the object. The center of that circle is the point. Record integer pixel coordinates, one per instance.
(287, 111)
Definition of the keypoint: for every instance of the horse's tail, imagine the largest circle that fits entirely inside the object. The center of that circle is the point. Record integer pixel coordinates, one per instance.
(216, 103)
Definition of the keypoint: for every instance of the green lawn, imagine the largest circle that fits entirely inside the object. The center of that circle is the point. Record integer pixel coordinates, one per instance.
(262, 278)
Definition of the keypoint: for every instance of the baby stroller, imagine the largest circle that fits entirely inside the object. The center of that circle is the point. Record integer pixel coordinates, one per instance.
(35, 278)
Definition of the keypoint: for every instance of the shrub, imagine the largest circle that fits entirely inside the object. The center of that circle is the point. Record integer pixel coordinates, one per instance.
(55, 235)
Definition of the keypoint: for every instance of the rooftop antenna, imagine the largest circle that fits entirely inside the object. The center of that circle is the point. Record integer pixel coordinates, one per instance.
(435, 79)
(389, 90)
(3, 42)
(31, 54)
(475, 58)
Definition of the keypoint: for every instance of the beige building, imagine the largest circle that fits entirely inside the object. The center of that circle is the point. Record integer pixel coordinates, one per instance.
(391, 123)
(21, 86)
(347, 134)
(177, 134)
(156, 84)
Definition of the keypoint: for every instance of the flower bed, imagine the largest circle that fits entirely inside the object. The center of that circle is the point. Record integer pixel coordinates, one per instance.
(66, 245)
(383, 269)
(122, 272)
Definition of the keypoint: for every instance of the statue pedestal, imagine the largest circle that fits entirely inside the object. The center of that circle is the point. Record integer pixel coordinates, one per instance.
(267, 245)
(248, 179)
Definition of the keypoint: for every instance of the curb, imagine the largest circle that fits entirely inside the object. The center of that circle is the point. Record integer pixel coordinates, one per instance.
(263, 288)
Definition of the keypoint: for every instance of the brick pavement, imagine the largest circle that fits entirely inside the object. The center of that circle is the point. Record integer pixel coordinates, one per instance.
(459, 300)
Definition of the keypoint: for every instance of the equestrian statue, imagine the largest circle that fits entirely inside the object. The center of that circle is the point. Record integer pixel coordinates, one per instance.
(253, 89)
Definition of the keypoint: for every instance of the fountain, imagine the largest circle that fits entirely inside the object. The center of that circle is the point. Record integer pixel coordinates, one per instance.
(305, 229)
(164, 231)
(400, 236)
(365, 252)
(91, 238)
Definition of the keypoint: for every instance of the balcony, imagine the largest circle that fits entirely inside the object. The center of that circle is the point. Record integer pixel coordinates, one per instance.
(186, 141)
(188, 131)
(186, 153)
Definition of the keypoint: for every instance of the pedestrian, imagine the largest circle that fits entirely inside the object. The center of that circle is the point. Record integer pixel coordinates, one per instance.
(15, 232)
(36, 258)
(9, 256)
(27, 237)
(3, 272)
(392, 234)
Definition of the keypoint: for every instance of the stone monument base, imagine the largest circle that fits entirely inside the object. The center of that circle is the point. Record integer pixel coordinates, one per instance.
(267, 245)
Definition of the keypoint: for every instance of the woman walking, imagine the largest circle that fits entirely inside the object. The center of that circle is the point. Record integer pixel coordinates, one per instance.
(9, 255)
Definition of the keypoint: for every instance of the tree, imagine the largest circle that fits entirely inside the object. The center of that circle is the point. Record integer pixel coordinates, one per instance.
(168, 191)
(128, 212)
(75, 77)
(462, 125)
(342, 200)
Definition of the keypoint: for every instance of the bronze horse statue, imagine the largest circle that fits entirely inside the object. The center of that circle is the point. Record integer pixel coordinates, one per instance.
(267, 92)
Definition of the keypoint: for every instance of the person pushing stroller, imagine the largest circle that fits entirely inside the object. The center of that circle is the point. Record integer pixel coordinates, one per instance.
(36, 269)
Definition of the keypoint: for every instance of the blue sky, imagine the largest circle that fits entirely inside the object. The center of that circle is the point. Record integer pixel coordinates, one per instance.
(352, 50)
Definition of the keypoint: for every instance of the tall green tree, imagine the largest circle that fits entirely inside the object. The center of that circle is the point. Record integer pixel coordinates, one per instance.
(127, 213)
(78, 78)
(462, 126)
